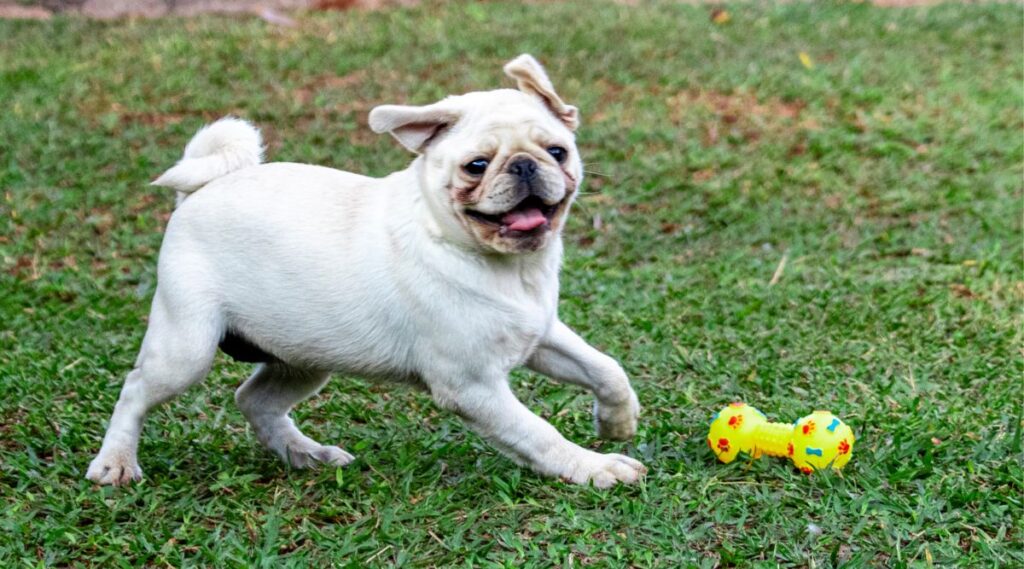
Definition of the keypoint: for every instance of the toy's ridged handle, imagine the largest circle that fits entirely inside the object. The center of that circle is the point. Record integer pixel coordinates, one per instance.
(773, 439)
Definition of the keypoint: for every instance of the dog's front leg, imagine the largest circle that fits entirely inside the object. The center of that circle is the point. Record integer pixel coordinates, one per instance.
(493, 411)
(564, 356)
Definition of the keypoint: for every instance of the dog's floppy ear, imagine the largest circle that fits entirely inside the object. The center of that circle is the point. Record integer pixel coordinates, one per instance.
(530, 78)
(412, 126)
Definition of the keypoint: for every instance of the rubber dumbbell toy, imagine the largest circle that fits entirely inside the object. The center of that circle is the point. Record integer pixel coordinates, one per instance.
(819, 440)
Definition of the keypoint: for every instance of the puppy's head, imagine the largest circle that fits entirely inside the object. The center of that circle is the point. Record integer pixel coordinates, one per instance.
(499, 168)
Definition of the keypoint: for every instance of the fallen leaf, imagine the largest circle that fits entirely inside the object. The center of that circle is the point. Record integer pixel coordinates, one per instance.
(962, 291)
(806, 60)
(703, 175)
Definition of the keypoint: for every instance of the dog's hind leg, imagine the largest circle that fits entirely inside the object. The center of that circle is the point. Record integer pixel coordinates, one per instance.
(266, 398)
(176, 353)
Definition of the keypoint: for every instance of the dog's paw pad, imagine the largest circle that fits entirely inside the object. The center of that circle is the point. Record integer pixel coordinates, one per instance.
(617, 422)
(616, 430)
(607, 470)
(307, 456)
(115, 471)
(334, 456)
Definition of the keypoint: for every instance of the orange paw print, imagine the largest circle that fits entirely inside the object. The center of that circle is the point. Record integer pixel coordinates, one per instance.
(735, 421)
(789, 449)
(808, 427)
(723, 445)
(844, 447)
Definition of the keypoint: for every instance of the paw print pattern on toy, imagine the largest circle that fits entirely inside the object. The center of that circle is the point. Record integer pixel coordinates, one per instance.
(808, 427)
(742, 428)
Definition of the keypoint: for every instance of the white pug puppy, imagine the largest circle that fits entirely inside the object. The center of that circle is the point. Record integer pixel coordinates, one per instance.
(443, 275)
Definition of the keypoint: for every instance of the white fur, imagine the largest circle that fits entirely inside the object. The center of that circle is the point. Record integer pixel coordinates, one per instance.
(216, 150)
(383, 278)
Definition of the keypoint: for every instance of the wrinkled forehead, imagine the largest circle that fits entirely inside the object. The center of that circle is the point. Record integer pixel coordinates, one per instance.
(495, 119)
(494, 137)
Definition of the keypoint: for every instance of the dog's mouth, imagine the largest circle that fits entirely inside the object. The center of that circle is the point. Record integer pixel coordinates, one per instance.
(530, 217)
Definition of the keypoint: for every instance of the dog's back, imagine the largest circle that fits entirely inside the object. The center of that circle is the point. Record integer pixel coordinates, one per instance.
(275, 248)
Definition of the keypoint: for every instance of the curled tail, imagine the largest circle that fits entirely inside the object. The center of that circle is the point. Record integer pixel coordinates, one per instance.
(217, 149)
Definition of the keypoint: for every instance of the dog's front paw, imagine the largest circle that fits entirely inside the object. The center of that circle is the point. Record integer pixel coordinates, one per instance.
(115, 469)
(617, 422)
(305, 455)
(605, 470)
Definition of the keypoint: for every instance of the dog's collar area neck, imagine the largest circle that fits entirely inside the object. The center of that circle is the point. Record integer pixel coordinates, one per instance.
(467, 247)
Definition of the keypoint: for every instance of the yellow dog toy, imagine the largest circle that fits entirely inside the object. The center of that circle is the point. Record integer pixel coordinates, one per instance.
(817, 441)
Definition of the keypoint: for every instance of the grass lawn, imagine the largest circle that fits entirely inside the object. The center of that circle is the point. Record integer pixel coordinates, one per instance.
(884, 165)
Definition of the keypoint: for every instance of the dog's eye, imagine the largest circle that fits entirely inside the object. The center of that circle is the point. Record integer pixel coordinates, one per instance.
(476, 167)
(558, 153)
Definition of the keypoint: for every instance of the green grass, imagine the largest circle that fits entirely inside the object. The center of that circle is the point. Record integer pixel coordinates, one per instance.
(889, 173)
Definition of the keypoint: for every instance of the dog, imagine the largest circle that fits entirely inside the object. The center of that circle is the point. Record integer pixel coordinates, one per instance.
(443, 276)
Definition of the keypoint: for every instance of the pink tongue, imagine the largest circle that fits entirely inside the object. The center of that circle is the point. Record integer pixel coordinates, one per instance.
(524, 220)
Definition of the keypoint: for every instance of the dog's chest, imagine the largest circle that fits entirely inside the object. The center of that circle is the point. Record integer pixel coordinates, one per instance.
(499, 336)
(518, 327)
(497, 321)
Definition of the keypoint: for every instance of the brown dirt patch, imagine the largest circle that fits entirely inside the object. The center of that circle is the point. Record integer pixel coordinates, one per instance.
(306, 93)
(732, 107)
(906, 3)
(742, 114)
(269, 10)
(154, 118)
(360, 4)
(19, 12)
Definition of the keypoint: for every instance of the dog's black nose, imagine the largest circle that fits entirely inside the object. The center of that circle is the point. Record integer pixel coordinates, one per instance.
(524, 168)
